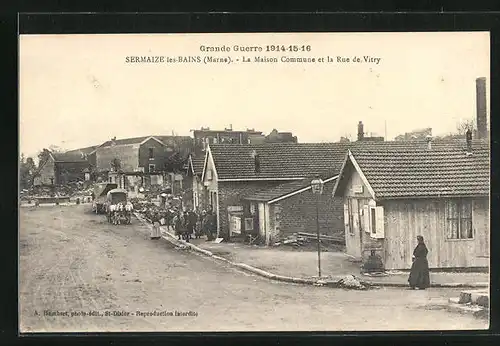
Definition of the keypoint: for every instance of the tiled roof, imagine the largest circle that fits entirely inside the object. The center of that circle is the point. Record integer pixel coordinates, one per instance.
(410, 169)
(277, 161)
(125, 141)
(293, 160)
(198, 163)
(284, 189)
(137, 140)
(167, 139)
(86, 150)
(68, 157)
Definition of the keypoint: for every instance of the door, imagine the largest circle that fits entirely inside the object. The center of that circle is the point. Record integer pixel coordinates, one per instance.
(355, 224)
(262, 221)
(352, 240)
(213, 200)
(235, 223)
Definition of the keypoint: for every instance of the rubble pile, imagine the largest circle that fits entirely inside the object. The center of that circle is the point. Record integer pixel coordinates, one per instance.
(351, 282)
(74, 190)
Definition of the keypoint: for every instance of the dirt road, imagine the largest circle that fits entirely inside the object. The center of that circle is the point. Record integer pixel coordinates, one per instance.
(74, 262)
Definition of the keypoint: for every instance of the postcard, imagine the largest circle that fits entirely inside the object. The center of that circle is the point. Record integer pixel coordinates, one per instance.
(254, 182)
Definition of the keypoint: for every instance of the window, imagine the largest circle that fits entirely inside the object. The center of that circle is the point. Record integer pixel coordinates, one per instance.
(151, 168)
(213, 200)
(366, 219)
(235, 224)
(151, 153)
(209, 174)
(377, 227)
(459, 219)
(373, 220)
(248, 224)
(252, 208)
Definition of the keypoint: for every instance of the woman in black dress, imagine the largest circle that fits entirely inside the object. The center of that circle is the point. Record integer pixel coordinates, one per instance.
(419, 274)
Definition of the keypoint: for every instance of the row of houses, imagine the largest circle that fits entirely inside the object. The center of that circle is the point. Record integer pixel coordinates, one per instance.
(205, 136)
(136, 158)
(141, 158)
(378, 195)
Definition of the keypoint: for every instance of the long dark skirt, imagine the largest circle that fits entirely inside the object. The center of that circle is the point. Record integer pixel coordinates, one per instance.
(419, 274)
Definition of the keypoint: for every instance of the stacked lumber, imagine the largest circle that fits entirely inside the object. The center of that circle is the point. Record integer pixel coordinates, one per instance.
(292, 240)
(322, 237)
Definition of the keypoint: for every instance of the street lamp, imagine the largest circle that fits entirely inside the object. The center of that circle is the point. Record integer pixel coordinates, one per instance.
(317, 189)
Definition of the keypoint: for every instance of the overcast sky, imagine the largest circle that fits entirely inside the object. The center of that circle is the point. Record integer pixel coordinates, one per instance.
(77, 90)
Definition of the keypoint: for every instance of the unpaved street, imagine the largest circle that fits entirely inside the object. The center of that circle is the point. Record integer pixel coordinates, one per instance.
(74, 261)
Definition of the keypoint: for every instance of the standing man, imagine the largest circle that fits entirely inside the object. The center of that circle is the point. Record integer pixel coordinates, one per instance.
(199, 224)
(192, 218)
(207, 226)
(179, 224)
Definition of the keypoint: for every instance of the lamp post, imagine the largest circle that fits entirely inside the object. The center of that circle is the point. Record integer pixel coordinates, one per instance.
(317, 189)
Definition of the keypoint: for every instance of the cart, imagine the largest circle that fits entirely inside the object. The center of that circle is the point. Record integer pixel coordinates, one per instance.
(100, 192)
(116, 213)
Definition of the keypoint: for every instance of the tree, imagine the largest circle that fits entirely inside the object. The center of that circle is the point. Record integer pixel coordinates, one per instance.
(461, 128)
(464, 125)
(43, 156)
(175, 163)
(27, 169)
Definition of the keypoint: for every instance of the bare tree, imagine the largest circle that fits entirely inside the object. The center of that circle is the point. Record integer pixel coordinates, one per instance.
(464, 125)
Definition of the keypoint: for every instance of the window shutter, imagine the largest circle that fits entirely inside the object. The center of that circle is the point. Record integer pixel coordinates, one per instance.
(379, 212)
(366, 218)
(346, 217)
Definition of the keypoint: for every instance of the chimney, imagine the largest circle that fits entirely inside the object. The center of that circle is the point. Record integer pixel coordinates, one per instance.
(361, 133)
(256, 159)
(482, 127)
(429, 142)
(468, 139)
(113, 140)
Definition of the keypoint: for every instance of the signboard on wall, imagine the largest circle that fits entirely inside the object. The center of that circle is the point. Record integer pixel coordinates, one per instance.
(357, 188)
(234, 208)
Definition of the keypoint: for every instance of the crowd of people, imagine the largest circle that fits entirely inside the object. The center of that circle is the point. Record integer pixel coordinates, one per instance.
(187, 224)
